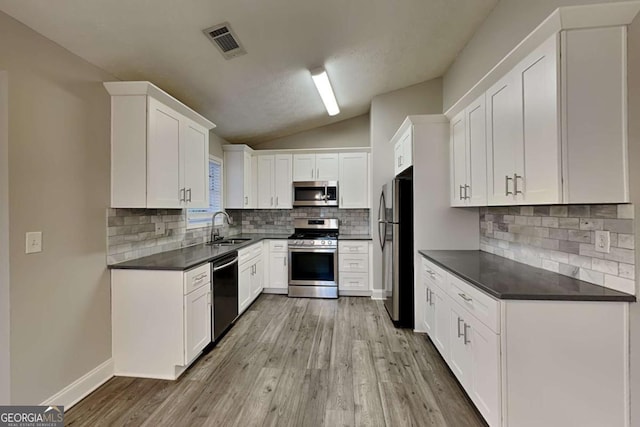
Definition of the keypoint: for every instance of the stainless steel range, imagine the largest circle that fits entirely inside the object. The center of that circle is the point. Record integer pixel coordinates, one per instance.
(313, 258)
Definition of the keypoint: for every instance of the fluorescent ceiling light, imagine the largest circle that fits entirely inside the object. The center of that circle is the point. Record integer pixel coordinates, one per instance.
(321, 80)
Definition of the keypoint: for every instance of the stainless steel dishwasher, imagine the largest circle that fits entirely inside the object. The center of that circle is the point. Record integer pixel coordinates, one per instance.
(224, 274)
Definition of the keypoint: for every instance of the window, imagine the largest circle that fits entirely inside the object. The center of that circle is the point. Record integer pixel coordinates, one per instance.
(197, 218)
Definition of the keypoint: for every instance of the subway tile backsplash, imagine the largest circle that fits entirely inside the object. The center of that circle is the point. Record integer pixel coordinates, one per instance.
(131, 232)
(562, 239)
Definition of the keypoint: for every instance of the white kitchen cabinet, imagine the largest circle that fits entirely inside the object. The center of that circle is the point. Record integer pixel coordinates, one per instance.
(277, 269)
(316, 167)
(429, 312)
(353, 267)
(159, 149)
(353, 183)
(441, 331)
(274, 181)
(163, 309)
(250, 275)
(459, 354)
(469, 156)
(197, 321)
(403, 151)
(240, 170)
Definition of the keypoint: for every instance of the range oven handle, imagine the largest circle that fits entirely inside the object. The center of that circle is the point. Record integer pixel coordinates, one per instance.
(312, 250)
(230, 263)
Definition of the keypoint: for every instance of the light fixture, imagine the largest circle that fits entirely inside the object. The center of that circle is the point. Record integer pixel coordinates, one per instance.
(321, 80)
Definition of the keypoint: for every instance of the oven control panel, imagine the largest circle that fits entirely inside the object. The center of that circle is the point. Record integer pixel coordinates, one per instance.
(326, 243)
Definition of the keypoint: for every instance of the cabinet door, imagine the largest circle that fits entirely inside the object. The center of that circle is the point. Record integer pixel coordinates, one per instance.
(244, 285)
(460, 353)
(403, 151)
(304, 167)
(442, 329)
(278, 270)
(265, 181)
(484, 345)
(476, 139)
(504, 134)
(257, 281)
(197, 322)
(537, 157)
(282, 181)
(327, 167)
(195, 148)
(353, 185)
(429, 315)
(458, 159)
(164, 178)
(247, 177)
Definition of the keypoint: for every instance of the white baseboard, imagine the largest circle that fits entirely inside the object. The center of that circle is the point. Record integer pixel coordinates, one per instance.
(357, 293)
(82, 387)
(378, 294)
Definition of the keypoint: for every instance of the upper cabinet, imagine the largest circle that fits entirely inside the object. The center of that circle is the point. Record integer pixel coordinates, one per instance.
(274, 181)
(403, 151)
(354, 180)
(316, 167)
(240, 174)
(554, 127)
(159, 149)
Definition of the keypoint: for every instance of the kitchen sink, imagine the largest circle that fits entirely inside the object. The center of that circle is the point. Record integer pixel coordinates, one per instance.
(229, 242)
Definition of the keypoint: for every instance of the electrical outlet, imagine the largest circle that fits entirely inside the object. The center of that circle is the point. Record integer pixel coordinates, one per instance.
(33, 242)
(160, 228)
(603, 241)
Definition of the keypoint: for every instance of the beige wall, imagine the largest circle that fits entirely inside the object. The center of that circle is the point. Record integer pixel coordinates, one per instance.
(388, 111)
(504, 28)
(347, 133)
(59, 184)
(633, 73)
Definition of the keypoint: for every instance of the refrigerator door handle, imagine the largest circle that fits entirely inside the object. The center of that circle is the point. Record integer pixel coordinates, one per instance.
(382, 223)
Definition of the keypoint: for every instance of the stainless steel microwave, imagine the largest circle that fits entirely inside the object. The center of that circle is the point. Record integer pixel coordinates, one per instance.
(315, 193)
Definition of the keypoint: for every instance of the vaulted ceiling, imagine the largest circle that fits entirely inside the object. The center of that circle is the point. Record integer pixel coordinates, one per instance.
(368, 47)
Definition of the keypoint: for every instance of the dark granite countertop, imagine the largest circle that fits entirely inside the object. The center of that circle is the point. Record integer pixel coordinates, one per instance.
(354, 237)
(192, 256)
(505, 279)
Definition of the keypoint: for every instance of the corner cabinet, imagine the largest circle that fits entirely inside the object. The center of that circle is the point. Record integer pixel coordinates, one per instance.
(159, 149)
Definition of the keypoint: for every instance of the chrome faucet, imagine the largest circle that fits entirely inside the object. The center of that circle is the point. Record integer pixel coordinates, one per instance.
(215, 231)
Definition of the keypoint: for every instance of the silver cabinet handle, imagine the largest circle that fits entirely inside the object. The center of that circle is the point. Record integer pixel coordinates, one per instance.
(277, 201)
(428, 295)
(460, 192)
(246, 200)
(189, 192)
(459, 332)
(271, 200)
(507, 178)
(464, 297)
(182, 193)
(466, 339)
(466, 194)
(318, 173)
(516, 177)
(312, 173)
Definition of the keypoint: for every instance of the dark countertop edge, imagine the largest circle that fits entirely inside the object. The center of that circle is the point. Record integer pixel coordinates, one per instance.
(255, 238)
(623, 297)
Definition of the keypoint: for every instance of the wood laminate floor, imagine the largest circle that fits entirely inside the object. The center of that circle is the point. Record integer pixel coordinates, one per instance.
(296, 362)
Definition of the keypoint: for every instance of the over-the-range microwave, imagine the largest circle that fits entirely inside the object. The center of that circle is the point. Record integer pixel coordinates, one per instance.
(315, 193)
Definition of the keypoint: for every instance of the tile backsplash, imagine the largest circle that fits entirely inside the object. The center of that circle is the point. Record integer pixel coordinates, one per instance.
(562, 239)
(131, 232)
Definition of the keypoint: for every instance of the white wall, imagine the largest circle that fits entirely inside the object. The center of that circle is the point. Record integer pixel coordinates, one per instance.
(508, 23)
(352, 132)
(215, 144)
(59, 184)
(388, 111)
(5, 354)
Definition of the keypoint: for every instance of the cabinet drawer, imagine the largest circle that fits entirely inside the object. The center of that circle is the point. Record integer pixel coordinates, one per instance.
(434, 274)
(354, 281)
(196, 277)
(278, 246)
(485, 308)
(250, 252)
(353, 247)
(353, 263)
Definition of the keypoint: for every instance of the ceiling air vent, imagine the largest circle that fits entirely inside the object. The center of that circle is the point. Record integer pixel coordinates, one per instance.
(223, 37)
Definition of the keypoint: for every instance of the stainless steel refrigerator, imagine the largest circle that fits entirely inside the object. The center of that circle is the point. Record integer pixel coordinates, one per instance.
(395, 229)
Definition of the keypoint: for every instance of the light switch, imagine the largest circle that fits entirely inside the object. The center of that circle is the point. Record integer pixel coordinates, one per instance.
(603, 241)
(33, 242)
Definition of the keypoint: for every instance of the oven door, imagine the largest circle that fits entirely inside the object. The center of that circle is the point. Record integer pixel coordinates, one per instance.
(313, 267)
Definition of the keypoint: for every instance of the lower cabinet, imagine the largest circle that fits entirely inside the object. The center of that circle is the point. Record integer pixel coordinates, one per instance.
(353, 267)
(277, 278)
(161, 320)
(250, 275)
